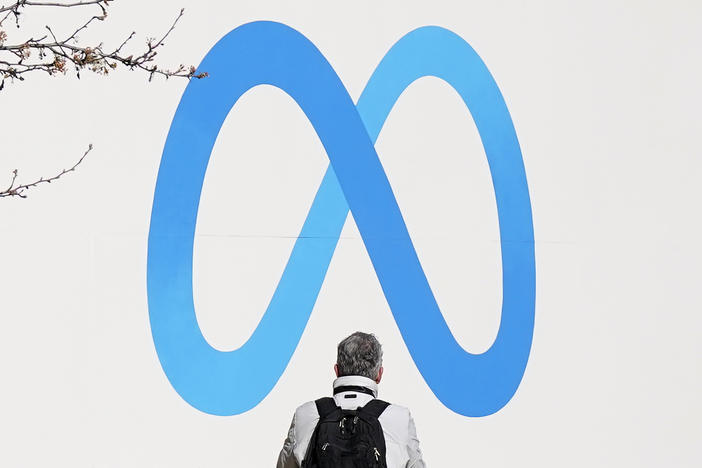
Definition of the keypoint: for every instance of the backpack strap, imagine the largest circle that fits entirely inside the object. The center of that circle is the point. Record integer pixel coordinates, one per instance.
(325, 407)
(370, 413)
(375, 407)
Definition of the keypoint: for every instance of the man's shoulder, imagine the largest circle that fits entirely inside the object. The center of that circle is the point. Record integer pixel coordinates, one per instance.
(307, 408)
(396, 413)
(399, 409)
(306, 416)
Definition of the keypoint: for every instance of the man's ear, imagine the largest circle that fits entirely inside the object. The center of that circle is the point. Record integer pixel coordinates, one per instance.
(336, 369)
(380, 375)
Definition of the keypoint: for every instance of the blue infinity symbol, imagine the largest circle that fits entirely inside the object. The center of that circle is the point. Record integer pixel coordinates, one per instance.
(226, 383)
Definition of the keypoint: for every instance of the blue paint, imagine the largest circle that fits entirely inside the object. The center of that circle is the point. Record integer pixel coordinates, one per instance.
(226, 383)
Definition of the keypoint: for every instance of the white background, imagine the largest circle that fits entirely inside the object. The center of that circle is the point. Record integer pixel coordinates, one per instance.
(605, 98)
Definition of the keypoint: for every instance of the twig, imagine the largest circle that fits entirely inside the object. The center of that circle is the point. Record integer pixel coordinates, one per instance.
(19, 190)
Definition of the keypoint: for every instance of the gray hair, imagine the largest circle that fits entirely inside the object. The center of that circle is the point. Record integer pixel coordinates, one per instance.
(360, 354)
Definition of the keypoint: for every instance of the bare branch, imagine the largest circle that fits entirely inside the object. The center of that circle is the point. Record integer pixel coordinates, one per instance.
(19, 190)
(20, 4)
(170, 30)
(129, 38)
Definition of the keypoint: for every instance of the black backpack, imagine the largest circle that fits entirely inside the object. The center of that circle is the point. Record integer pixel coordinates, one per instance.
(347, 438)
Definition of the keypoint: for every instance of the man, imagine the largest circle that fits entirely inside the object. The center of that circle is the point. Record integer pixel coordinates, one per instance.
(358, 369)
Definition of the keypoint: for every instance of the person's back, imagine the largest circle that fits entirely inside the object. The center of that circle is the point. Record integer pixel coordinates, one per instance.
(359, 356)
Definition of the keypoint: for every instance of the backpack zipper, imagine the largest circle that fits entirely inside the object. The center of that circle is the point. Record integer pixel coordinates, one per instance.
(324, 447)
(377, 454)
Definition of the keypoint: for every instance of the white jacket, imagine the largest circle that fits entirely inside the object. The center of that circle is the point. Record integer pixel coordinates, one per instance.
(401, 443)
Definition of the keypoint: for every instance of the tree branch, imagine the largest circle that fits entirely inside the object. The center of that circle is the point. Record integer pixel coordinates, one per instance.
(19, 190)
(24, 3)
(56, 56)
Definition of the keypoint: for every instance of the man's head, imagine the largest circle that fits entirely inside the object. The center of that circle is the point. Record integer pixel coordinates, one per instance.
(360, 354)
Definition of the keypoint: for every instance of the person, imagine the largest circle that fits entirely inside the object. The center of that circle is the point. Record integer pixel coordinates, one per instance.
(359, 370)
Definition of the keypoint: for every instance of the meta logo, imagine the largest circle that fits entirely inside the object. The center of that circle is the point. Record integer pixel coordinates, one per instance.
(228, 383)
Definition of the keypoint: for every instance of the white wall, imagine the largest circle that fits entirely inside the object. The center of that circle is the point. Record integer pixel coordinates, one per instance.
(605, 99)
